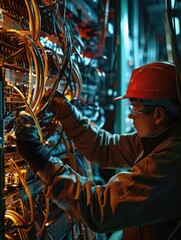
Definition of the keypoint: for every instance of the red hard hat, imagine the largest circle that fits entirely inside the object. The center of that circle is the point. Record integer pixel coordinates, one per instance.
(156, 80)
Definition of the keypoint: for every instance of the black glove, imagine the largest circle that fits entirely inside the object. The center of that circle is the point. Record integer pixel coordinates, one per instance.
(28, 144)
(60, 105)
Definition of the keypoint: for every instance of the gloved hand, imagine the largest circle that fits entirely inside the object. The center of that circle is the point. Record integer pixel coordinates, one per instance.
(28, 144)
(60, 105)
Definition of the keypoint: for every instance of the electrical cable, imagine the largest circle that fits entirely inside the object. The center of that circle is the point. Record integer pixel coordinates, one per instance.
(34, 19)
(31, 18)
(30, 81)
(13, 55)
(39, 68)
(13, 165)
(45, 218)
(20, 223)
(17, 220)
(55, 85)
(37, 63)
(29, 110)
(37, 20)
(66, 50)
(44, 107)
(104, 29)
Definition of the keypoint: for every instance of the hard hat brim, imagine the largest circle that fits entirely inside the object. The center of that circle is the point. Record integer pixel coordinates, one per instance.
(120, 97)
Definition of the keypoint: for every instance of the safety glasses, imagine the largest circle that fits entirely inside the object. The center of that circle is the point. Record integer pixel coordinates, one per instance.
(135, 111)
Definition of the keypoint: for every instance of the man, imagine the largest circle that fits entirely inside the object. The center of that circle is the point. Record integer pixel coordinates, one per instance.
(145, 202)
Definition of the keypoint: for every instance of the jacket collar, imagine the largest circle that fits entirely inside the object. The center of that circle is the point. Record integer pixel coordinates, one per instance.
(150, 142)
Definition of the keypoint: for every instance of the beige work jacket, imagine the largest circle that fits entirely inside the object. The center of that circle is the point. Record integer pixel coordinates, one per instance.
(145, 202)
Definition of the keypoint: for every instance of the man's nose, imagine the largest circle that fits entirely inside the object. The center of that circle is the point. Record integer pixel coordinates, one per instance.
(131, 116)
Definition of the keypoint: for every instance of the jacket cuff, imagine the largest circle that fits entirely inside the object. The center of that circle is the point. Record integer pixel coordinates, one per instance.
(49, 171)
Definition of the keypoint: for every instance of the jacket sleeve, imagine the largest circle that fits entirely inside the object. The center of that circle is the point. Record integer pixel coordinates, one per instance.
(98, 145)
(146, 195)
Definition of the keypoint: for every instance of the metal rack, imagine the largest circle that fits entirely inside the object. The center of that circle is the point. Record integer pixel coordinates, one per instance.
(2, 151)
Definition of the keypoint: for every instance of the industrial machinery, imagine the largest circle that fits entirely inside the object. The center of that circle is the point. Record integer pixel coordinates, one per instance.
(43, 50)
(47, 46)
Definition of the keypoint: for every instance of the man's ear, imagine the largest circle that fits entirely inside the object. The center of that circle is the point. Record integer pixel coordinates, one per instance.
(160, 115)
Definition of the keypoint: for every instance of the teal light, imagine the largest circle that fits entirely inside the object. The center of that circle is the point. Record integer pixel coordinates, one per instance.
(177, 25)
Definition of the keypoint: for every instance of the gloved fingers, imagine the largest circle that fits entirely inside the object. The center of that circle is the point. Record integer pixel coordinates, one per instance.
(34, 152)
(59, 94)
(24, 120)
(26, 117)
(25, 129)
(27, 133)
(60, 98)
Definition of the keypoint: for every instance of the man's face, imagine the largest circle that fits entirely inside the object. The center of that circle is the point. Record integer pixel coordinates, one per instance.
(143, 119)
